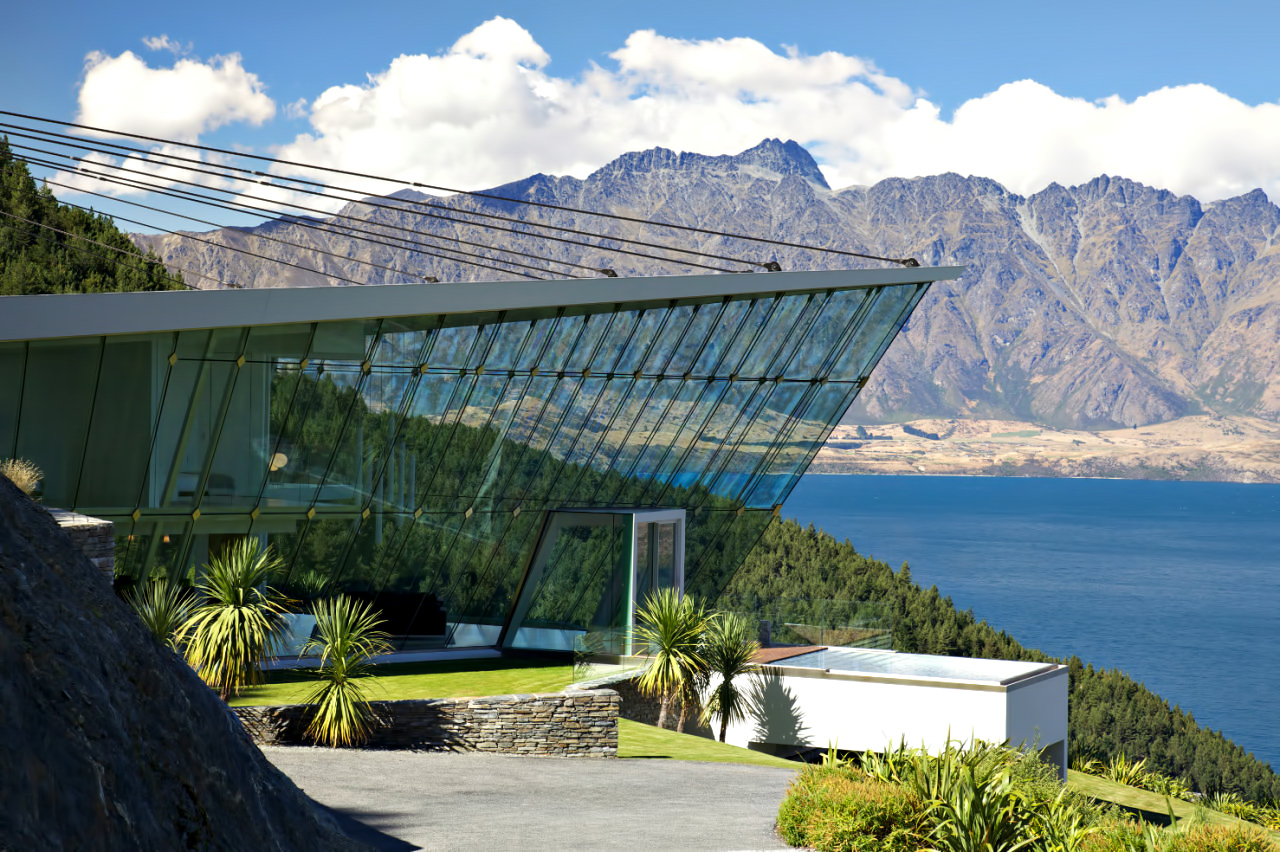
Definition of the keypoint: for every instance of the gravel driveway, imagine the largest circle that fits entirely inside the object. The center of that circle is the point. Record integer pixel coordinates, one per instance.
(480, 801)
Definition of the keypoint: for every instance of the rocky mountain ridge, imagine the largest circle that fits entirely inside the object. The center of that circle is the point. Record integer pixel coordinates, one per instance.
(1100, 305)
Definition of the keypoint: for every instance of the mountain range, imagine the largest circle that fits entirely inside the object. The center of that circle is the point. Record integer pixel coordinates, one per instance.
(1095, 306)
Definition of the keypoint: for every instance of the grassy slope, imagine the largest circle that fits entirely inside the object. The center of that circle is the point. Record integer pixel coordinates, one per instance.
(399, 681)
(1152, 804)
(646, 741)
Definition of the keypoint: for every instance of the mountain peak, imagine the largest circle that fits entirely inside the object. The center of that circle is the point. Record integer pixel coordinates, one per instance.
(772, 159)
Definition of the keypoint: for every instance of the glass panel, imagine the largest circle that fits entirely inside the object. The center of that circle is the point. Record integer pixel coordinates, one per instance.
(796, 336)
(636, 348)
(13, 364)
(659, 359)
(718, 561)
(311, 431)
(665, 556)
(57, 401)
(584, 584)
(803, 439)
(734, 473)
(508, 345)
(736, 350)
(679, 462)
(827, 332)
(402, 342)
(619, 339)
(555, 356)
(695, 337)
(883, 322)
(584, 353)
(115, 461)
(670, 426)
(773, 337)
(719, 340)
(452, 346)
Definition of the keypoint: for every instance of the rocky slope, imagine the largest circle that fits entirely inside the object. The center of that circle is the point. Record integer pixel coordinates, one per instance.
(1102, 305)
(109, 740)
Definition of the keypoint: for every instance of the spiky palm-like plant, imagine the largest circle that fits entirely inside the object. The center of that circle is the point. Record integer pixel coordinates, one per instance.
(238, 620)
(670, 625)
(729, 648)
(164, 608)
(347, 636)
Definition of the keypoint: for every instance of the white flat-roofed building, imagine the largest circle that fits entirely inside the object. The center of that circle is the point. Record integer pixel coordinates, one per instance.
(869, 700)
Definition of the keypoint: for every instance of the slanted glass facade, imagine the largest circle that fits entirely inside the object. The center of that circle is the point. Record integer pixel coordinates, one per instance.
(415, 460)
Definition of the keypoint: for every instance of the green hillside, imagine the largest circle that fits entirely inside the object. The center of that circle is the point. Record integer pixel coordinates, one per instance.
(48, 247)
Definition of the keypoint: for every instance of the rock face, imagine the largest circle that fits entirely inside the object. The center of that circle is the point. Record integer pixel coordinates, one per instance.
(109, 740)
(1101, 305)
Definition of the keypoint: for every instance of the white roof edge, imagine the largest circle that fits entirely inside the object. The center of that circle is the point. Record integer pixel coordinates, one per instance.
(90, 314)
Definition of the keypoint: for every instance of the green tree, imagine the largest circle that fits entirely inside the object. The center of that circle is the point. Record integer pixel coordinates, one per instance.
(239, 618)
(347, 636)
(47, 247)
(669, 626)
(729, 647)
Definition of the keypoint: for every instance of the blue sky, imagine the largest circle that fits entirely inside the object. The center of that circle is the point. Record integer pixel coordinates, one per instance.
(1179, 95)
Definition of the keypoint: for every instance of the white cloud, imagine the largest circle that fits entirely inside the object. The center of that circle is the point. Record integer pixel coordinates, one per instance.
(124, 93)
(487, 111)
(163, 42)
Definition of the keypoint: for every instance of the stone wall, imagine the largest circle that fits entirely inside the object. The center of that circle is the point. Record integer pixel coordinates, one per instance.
(636, 707)
(580, 723)
(93, 537)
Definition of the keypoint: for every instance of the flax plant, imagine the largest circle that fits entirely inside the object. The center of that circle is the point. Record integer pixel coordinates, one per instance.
(670, 625)
(164, 609)
(347, 636)
(729, 649)
(238, 620)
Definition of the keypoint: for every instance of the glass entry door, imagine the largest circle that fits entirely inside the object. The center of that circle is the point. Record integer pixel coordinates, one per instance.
(592, 569)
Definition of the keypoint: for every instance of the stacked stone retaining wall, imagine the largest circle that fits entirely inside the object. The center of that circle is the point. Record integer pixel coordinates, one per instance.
(93, 537)
(580, 723)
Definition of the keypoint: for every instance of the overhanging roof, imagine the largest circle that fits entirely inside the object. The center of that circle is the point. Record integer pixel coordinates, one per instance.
(85, 314)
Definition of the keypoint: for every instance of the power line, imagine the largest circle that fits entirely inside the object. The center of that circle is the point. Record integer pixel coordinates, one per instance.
(910, 262)
(269, 213)
(400, 205)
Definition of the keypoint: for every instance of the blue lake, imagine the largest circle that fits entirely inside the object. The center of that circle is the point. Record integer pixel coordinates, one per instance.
(1175, 583)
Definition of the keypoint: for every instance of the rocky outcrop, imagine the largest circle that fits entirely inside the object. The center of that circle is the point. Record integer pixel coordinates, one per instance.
(1101, 305)
(109, 740)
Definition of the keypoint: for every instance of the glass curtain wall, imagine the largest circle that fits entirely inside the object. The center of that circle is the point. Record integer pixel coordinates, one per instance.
(412, 461)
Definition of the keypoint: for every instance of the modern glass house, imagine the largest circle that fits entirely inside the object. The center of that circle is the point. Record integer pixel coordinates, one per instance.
(503, 464)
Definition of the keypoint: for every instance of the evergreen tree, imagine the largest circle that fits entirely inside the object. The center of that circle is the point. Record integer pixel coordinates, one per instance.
(45, 246)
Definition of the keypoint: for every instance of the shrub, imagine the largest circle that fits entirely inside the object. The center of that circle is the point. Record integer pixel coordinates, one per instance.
(23, 474)
(164, 609)
(347, 636)
(239, 618)
(842, 809)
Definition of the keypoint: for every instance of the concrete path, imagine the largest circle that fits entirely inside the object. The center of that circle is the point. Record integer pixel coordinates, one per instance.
(411, 800)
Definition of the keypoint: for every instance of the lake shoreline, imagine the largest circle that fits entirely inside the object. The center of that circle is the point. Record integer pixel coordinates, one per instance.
(1201, 448)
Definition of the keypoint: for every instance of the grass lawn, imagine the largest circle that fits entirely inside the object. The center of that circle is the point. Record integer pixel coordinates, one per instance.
(636, 740)
(1153, 805)
(450, 679)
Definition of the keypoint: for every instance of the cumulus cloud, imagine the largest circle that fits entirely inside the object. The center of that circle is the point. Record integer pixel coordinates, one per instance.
(486, 111)
(181, 102)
